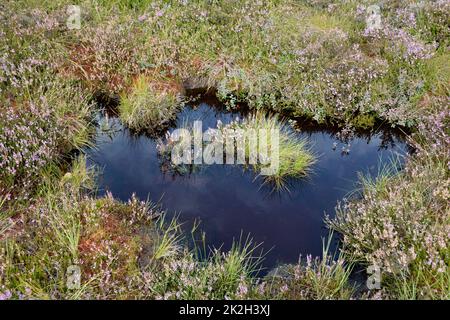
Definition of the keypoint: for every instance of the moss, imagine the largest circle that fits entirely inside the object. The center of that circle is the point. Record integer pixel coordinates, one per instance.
(364, 121)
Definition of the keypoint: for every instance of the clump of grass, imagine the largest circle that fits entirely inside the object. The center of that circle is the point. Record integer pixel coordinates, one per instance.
(167, 240)
(5, 220)
(219, 275)
(295, 158)
(148, 107)
(437, 74)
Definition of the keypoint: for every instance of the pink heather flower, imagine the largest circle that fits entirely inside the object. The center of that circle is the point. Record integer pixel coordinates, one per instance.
(309, 260)
(6, 295)
(261, 288)
(143, 18)
(242, 289)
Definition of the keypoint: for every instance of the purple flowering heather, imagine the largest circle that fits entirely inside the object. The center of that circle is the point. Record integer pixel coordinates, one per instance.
(5, 295)
(27, 144)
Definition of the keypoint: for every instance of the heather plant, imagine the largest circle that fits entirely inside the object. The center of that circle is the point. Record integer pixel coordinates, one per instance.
(425, 19)
(313, 59)
(105, 56)
(315, 278)
(397, 96)
(34, 133)
(408, 217)
(27, 144)
(19, 76)
(218, 276)
(30, 51)
(42, 115)
(122, 251)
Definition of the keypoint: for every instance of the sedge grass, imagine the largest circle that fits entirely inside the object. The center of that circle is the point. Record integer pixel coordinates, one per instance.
(146, 108)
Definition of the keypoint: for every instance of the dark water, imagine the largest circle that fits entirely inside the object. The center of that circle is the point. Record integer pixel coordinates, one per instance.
(227, 201)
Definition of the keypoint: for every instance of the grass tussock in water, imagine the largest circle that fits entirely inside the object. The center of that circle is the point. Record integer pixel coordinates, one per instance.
(294, 156)
(148, 107)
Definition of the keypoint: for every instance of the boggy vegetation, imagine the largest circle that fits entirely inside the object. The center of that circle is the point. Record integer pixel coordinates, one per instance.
(313, 58)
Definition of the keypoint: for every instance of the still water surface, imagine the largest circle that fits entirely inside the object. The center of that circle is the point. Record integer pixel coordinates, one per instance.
(226, 200)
